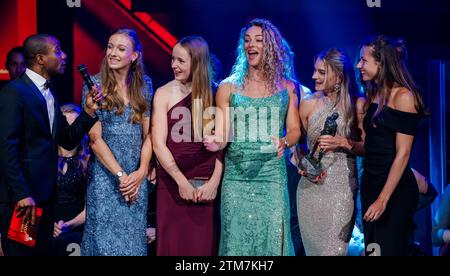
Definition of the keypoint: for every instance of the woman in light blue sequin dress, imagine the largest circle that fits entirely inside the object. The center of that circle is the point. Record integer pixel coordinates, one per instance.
(116, 210)
(255, 217)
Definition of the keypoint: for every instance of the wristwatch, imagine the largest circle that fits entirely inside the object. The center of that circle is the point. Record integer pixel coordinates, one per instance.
(119, 174)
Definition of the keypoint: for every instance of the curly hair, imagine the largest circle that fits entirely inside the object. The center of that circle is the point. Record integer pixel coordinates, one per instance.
(277, 59)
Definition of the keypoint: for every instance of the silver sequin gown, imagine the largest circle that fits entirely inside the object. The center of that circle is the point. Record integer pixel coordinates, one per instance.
(325, 210)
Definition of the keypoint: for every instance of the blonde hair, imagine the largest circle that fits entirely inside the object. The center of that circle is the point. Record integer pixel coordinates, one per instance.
(277, 58)
(198, 49)
(340, 63)
(135, 82)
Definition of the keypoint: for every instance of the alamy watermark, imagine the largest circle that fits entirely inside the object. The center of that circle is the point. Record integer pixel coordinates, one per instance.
(373, 3)
(73, 3)
(74, 249)
(373, 249)
(249, 124)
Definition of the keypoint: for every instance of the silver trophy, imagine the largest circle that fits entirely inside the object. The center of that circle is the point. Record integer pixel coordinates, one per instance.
(310, 164)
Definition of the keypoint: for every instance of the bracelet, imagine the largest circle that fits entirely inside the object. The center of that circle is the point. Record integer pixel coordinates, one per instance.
(286, 144)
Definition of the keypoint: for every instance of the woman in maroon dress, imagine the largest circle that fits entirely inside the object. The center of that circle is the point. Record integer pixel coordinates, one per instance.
(185, 214)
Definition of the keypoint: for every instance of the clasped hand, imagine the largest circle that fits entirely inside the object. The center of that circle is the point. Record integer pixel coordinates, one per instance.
(131, 184)
(205, 193)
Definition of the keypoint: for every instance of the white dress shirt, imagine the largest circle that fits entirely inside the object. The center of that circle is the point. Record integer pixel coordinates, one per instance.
(40, 81)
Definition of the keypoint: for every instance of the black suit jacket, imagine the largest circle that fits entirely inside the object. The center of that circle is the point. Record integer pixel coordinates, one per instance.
(28, 149)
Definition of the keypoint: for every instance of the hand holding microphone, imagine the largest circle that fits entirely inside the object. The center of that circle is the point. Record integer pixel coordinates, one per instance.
(94, 97)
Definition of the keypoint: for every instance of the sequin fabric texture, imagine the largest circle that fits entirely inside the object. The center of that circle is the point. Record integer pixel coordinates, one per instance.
(113, 226)
(254, 198)
(325, 210)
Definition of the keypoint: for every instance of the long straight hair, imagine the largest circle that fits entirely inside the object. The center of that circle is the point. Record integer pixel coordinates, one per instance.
(340, 64)
(135, 81)
(392, 56)
(200, 75)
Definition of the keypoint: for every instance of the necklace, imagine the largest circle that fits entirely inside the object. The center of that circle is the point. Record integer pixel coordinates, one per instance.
(330, 104)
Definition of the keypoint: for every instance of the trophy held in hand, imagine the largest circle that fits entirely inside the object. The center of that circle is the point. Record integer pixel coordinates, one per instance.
(311, 165)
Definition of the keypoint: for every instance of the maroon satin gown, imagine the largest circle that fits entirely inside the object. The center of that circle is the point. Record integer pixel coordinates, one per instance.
(182, 228)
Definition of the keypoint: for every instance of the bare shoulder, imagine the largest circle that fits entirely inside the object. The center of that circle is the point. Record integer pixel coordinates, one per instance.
(163, 93)
(170, 85)
(290, 86)
(228, 84)
(292, 90)
(311, 99)
(226, 87)
(404, 100)
(308, 103)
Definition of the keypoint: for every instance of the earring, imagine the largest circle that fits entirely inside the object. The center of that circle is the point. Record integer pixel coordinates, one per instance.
(337, 87)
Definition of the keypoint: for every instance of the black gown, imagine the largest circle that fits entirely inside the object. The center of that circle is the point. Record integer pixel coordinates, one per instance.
(71, 191)
(392, 230)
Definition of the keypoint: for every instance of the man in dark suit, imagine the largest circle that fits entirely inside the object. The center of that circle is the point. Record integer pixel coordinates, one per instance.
(31, 128)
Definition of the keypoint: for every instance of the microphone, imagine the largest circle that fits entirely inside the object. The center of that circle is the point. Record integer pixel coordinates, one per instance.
(82, 69)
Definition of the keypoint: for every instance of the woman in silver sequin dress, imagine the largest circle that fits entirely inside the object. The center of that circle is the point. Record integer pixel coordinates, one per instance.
(326, 204)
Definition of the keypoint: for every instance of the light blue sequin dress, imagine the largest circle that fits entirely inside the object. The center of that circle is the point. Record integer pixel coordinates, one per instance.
(113, 227)
(255, 219)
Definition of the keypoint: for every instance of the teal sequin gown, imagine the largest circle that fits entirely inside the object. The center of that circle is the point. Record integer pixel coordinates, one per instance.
(254, 198)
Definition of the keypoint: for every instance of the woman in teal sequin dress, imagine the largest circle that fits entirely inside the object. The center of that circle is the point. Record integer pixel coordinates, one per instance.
(255, 219)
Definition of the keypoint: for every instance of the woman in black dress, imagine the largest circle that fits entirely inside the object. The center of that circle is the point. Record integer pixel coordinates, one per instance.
(69, 211)
(389, 192)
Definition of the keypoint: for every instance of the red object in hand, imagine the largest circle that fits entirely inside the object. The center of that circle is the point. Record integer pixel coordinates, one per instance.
(22, 231)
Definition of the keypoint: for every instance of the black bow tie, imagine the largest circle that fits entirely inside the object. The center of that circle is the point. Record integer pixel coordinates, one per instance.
(48, 85)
